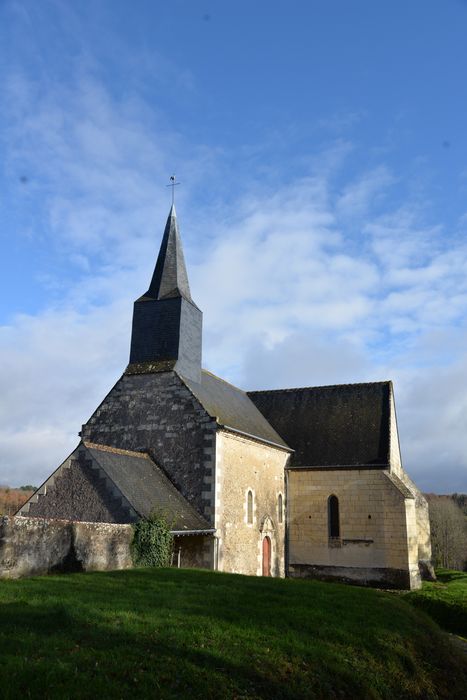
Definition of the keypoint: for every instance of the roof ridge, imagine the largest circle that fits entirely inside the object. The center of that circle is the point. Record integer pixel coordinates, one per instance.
(261, 429)
(321, 386)
(116, 450)
(234, 386)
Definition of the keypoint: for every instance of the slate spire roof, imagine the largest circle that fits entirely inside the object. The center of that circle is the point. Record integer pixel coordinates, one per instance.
(167, 324)
(170, 277)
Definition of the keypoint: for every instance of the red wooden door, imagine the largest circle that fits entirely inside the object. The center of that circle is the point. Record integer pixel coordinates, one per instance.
(266, 556)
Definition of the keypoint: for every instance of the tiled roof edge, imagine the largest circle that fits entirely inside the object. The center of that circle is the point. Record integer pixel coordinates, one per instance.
(250, 436)
(391, 402)
(116, 450)
(234, 386)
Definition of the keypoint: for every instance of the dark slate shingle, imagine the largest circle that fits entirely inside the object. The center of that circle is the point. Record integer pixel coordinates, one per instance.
(170, 277)
(146, 487)
(232, 407)
(342, 425)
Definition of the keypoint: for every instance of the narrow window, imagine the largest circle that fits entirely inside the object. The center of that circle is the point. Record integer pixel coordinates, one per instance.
(279, 508)
(333, 516)
(250, 507)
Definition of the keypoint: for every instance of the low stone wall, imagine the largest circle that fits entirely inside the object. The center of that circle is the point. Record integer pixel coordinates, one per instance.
(30, 546)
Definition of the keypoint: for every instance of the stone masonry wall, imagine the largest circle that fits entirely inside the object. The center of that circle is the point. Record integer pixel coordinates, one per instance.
(32, 546)
(156, 413)
(77, 491)
(243, 464)
(378, 532)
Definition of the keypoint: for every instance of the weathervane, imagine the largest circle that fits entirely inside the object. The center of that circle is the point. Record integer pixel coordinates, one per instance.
(172, 185)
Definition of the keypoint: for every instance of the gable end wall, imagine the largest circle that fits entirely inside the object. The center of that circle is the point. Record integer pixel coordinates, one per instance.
(377, 543)
(156, 413)
(79, 490)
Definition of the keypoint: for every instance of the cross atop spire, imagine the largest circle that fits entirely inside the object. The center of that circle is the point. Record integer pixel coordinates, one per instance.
(173, 184)
(170, 277)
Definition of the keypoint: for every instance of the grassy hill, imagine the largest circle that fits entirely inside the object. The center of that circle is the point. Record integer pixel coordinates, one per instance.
(171, 633)
(445, 600)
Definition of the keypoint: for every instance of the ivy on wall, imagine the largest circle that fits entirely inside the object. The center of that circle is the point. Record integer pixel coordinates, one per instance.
(152, 541)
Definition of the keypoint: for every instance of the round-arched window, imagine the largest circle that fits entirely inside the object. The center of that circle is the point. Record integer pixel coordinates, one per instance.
(280, 509)
(249, 507)
(333, 516)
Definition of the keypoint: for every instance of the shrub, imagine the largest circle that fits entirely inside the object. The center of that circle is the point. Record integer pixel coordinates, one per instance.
(152, 541)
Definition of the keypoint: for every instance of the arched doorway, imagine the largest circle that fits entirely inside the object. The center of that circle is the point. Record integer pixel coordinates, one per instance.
(266, 556)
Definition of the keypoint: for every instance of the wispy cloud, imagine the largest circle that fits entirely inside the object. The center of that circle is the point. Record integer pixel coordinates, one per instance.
(311, 282)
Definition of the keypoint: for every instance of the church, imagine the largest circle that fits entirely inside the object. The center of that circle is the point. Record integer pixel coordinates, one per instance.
(303, 482)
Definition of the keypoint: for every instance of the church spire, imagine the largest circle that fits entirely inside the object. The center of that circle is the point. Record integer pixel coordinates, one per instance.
(167, 324)
(170, 278)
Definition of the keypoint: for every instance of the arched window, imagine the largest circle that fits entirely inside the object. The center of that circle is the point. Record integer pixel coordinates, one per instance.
(280, 516)
(249, 507)
(333, 516)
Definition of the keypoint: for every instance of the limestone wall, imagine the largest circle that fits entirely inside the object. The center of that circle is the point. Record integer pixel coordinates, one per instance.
(243, 464)
(378, 531)
(423, 527)
(30, 546)
(421, 504)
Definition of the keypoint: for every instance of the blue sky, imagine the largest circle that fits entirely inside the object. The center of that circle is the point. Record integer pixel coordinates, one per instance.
(321, 149)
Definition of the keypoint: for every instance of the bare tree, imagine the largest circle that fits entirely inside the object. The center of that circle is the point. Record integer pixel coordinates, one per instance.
(448, 533)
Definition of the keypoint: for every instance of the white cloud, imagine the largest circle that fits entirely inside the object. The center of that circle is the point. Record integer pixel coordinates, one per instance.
(361, 195)
(56, 368)
(291, 296)
(433, 424)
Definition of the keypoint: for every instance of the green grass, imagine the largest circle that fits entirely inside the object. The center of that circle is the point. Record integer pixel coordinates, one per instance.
(170, 633)
(445, 600)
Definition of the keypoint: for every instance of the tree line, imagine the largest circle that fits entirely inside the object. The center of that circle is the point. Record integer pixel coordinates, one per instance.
(12, 499)
(448, 523)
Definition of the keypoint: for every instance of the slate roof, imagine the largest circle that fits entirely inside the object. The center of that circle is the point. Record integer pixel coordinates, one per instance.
(146, 487)
(232, 408)
(170, 277)
(342, 425)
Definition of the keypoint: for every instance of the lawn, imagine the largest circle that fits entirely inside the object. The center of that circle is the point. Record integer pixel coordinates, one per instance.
(445, 600)
(170, 633)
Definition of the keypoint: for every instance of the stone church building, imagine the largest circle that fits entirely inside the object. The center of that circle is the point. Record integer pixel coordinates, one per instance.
(298, 482)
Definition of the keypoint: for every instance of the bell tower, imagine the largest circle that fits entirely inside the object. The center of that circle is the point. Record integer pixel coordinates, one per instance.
(167, 324)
